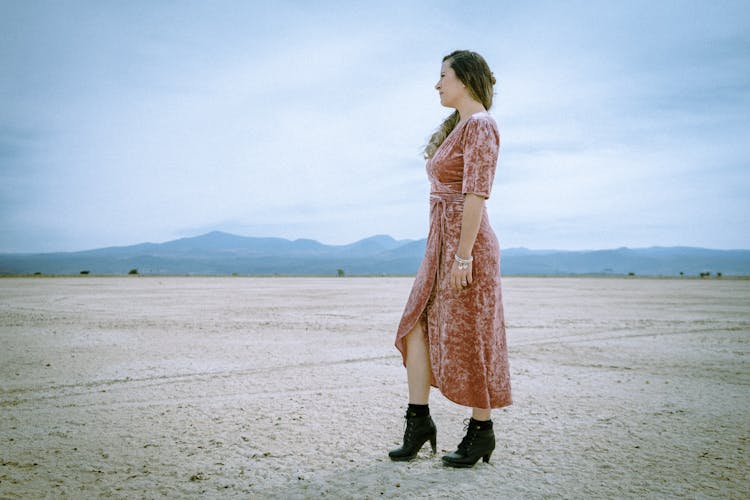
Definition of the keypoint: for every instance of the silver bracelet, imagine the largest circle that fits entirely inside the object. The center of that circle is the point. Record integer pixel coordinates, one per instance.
(463, 264)
(464, 261)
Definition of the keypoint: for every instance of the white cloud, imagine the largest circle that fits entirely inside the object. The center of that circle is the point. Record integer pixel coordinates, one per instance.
(303, 121)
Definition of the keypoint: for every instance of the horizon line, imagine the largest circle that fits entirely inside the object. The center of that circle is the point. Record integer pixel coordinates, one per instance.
(408, 240)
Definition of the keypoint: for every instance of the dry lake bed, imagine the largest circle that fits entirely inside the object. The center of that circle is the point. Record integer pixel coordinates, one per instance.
(234, 387)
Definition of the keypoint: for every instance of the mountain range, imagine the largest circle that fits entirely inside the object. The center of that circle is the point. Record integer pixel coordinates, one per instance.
(219, 253)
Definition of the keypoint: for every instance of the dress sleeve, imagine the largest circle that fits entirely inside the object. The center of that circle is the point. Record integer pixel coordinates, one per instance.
(481, 144)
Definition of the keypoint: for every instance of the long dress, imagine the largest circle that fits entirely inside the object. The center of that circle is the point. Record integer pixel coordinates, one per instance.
(465, 329)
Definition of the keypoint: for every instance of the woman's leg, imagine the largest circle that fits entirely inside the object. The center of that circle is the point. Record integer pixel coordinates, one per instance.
(480, 414)
(418, 367)
(419, 425)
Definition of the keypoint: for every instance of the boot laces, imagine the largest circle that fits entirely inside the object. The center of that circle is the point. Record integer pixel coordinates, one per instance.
(468, 440)
(409, 425)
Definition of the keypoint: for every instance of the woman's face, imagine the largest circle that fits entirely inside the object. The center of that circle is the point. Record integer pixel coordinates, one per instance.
(450, 88)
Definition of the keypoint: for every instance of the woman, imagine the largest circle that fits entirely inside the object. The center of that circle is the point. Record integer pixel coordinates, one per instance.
(452, 332)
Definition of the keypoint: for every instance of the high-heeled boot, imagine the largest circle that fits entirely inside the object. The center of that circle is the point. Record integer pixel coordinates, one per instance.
(477, 443)
(418, 431)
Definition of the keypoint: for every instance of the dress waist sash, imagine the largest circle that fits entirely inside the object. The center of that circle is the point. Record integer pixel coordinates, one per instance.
(440, 205)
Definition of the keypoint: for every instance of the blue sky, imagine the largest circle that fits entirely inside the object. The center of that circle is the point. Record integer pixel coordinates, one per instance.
(622, 123)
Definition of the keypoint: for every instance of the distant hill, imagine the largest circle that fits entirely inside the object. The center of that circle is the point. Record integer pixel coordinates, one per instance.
(223, 253)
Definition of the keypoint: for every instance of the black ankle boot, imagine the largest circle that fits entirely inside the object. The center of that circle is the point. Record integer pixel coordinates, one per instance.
(418, 431)
(477, 443)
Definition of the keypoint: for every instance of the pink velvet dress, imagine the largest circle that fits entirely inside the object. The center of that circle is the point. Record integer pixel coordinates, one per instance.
(465, 329)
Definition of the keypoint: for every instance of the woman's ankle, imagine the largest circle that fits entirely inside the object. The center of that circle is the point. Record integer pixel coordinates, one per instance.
(419, 410)
(481, 415)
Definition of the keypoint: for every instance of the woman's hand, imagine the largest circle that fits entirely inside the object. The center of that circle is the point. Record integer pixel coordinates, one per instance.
(460, 278)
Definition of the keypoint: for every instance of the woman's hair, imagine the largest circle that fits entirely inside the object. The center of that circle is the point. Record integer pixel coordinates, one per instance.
(473, 71)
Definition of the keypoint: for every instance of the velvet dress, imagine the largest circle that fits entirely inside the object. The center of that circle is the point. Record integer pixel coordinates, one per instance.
(465, 329)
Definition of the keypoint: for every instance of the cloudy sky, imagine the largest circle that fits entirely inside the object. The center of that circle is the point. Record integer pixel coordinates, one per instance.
(622, 123)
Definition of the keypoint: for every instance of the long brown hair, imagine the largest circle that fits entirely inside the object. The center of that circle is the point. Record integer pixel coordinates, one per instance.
(474, 72)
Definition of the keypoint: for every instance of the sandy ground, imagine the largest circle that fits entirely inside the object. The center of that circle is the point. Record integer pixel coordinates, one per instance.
(143, 387)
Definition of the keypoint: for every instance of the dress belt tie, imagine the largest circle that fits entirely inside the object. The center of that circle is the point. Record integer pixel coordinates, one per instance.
(439, 203)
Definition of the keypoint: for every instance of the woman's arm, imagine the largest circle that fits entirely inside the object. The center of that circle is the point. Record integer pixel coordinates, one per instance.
(472, 218)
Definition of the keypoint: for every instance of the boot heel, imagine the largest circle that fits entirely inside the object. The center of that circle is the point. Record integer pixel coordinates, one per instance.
(478, 443)
(417, 432)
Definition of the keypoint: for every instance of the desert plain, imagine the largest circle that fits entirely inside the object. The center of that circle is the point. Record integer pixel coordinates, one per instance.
(245, 387)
